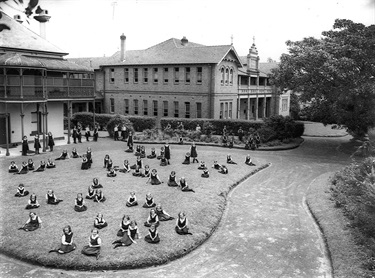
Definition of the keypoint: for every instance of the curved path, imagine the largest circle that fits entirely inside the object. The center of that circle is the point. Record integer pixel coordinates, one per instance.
(266, 230)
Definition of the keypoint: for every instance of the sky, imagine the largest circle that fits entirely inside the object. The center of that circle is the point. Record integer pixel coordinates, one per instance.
(92, 28)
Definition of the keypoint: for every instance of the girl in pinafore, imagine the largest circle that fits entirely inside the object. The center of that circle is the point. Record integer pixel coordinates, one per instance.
(30, 165)
(36, 144)
(51, 198)
(187, 159)
(167, 152)
(25, 145)
(128, 238)
(182, 225)
(248, 161)
(193, 152)
(149, 202)
(91, 193)
(132, 200)
(152, 219)
(75, 154)
(147, 172)
(153, 154)
(50, 164)
(33, 223)
(21, 192)
(99, 222)
(163, 215)
(99, 197)
(153, 235)
(126, 166)
(95, 183)
(67, 245)
(51, 141)
(80, 203)
(13, 168)
(24, 169)
(154, 178)
(64, 155)
(33, 202)
(124, 226)
(162, 153)
(41, 167)
(172, 179)
(106, 159)
(93, 249)
(184, 187)
(85, 163)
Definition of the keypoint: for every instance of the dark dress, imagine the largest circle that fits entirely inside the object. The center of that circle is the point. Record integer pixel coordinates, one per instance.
(75, 135)
(125, 240)
(131, 202)
(89, 158)
(187, 159)
(41, 168)
(91, 251)
(154, 179)
(123, 230)
(152, 237)
(37, 145)
(79, 207)
(85, 164)
(13, 169)
(167, 152)
(25, 146)
(24, 170)
(21, 192)
(99, 198)
(87, 135)
(184, 187)
(152, 155)
(249, 162)
(146, 173)
(193, 152)
(163, 216)
(130, 142)
(32, 225)
(181, 229)
(91, 193)
(66, 248)
(149, 203)
(51, 142)
(205, 174)
(96, 134)
(50, 165)
(162, 154)
(62, 156)
(163, 161)
(30, 166)
(75, 154)
(100, 223)
(52, 200)
(33, 204)
(79, 135)
(152, 220)
(172, 181)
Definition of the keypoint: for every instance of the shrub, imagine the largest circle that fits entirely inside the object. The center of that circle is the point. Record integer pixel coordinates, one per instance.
(141, 123)
(119, 120)
(284, 127)
(150, 134)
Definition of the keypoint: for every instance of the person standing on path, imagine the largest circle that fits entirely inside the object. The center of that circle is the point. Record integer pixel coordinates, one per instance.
(51, 141)
(25, 145)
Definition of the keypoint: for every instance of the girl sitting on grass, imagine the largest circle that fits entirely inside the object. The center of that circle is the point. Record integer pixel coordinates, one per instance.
(137, 150)
(100, 222)
(230, 160)
(152, 219)
(153, 235)
(89, 156)
(248, 161)
(75, 153)
(153, 154)
(154, 178)
(147, 172)
(80, 203)
(216, 165)
(182, 225)
(172, 179)
(33, 202)
(30, 165)
(143, 152)
(132, 200)
(24, 169)
(33, 223)
(223, 169)
(21, 192)
(95, 183)
(93, 249)
(137, 171)
(13, 168)
(183, 185)
(41, 167)
(124, 226)
(91, 193)
(130, 147)
(111, 173)
(162, 214)
(110, 164)
(64, 155)
(202, 166)
(149, 202)
(162, 153)
(205, 174)
(99, 197)
(126, 166)
(106, 159)
(187, 159)
(67, 245)
(51, 198)
(163, 161)
(128, 238)
(50, 164)
(138, 162)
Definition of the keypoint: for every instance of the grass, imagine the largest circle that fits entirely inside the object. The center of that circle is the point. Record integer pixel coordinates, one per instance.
(203, 208)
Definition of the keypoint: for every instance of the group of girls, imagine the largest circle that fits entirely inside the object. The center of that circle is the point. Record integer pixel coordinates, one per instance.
(37, 146)
(29, 166)
(33, 203)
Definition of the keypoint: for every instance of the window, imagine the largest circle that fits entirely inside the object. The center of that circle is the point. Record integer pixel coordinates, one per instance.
(231, 77)
(226, 111)
(126, 106)
(165, 108)
(126, 75)
(155, 107)
(226, 76)
(145, 107)
(165, 75)
(135, 73)
(112, 105)
(187, 75)
(284, 104)
(135, 106)
(221, 110)
(176, 112)
(176, 75)
(187, 109)
(112, 75)
(199, 110)
(145, 75)
(230, 110)
(199, 75)
(222, 76)
(156, 75)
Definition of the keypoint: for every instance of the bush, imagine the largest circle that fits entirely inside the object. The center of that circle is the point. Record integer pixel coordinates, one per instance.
(141, 123)
(284, 127)
(119, 120)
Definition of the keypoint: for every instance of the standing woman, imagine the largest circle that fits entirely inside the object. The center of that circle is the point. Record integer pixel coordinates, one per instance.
(75, 134)
(167, 152)
(96, 133)
(51, 141)
(37, 145)
(80, 203)
(193, 152)
(25, 145)
(67, 244)
(93, 249)
(182, 225)
(130, 141)
(32, 223)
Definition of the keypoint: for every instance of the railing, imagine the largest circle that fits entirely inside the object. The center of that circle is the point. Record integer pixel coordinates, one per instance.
(28, 93)
(255, 91)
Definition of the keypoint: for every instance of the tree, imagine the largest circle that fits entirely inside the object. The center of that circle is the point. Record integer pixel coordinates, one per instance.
(336, 73)
(16, 5)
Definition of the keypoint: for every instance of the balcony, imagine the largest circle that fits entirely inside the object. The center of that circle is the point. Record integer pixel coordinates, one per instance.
(253, 90)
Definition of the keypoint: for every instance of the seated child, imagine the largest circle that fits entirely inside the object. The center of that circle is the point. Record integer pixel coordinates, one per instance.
(138, 162)
(124, 226)
(153, 154)
(106, 159)
(99, 222)
(33, 223)
(154, 178)
(89, 156)
(95, 183)
(130, 148)
(147, 172)
(229, 159)
(30, 165)
(216, 165)
(21, 192)
(111, 173)
(163, 161)
(24, 169)
(85, 163)
(126, 168)
(64, 155)
(223, 169)
(248, 161)
(231, 143)
(183, 185)
(93, 249)
(50, 164)
(162, 214)
(137, 171)
(162, 153)
(80, 203)
(182, 225)
(67, 245)
(41, 167)
(75, 153)
(149, 203)
(153, 235)
(187, 159)
(143, 152)
(202, 166)
(172, 179)
(13, 168)
(152, 219)
(32, 203)
(99, 197)
(91, 193)
(132, 200)
(110, 165)
(137, 150)
(51, 198)
(128, 238)
(205, 174)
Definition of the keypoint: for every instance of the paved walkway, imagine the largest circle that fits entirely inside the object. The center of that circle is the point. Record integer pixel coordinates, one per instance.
(266, 230)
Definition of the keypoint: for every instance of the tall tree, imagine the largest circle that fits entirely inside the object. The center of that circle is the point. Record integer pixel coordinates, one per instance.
(336, 73)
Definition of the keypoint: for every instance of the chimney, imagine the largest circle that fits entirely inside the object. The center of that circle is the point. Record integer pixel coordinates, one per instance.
(17, 17)
(43, 18)
(122, 53)
(184, 41)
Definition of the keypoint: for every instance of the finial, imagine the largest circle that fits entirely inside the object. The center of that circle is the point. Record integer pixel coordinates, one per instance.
(253, 39)
(231, 39)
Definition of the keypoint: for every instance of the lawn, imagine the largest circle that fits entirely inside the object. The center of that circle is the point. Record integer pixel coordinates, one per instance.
(203, 208)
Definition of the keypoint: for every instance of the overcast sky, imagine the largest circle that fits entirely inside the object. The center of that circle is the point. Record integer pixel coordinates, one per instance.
(87, 28)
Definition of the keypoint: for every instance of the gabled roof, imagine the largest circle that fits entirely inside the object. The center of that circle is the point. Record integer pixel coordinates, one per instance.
(171, 51)
(264, 68)
(21, 38)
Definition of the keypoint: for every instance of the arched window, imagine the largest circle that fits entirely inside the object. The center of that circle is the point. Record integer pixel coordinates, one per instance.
(231, 77)
(222, 76)
(226, 76)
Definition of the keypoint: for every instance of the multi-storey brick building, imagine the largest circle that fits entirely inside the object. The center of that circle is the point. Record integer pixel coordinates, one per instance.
(178, 78)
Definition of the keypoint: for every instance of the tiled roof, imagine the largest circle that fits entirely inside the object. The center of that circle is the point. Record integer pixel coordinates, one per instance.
(20, 37)
(267, 67)
(168, 52)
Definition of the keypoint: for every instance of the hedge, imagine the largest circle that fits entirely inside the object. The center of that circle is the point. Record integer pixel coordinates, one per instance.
(119, 120)
(141, 123)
